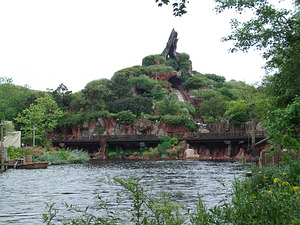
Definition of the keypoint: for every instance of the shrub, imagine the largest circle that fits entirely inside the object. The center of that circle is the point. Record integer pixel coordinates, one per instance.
(165, 138)
(136, 153)
(180, 120)
(153, 60)
(173, 63)
(65, 156)
(270, 196)
(152, 153)
(126, 117)
(113, 154)
(195, 83)
(164, 147)
(159, 68)
(172, 152)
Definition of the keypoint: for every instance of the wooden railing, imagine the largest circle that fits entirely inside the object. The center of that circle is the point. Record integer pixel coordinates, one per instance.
(137, 137)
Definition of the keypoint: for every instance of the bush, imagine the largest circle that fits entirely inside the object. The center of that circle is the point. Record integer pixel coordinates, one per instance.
(65, 156)
(159, 68)
(173, 63)
(113, 154)
(151, 153)
(165, 138)
(195, 83)
(172, 152)
(126, 117)
(153, 60)
(180, 120)
(164, 147)
(270, 196)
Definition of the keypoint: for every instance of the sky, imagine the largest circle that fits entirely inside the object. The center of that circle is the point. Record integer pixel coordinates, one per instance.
(44, 43)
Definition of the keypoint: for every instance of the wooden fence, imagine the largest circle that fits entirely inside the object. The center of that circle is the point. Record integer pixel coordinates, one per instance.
(269, 158)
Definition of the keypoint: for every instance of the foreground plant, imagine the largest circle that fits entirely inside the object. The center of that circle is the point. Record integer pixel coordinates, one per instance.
(144, 207)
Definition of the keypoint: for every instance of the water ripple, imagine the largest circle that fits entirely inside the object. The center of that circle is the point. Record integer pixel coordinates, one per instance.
(25, 192)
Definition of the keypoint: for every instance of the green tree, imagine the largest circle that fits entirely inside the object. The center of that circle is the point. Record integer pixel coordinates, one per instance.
(251, 101)
(215, 77)
(205, 94)
(120, 86)
(125, 117)
(276, 32)
(96, 93)
(153, 60)
(214, 107)
(143, 82)
(79, 103)
(195, 83)
(168, 105)
(14, 99)
(62, 96)
(136, 105)
(40, 118)
(283, 126)
(238, 112)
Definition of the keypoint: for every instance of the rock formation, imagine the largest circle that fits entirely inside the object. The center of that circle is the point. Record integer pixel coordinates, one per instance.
(170, 50)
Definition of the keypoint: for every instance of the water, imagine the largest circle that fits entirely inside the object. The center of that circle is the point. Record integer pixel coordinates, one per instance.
(25, 192)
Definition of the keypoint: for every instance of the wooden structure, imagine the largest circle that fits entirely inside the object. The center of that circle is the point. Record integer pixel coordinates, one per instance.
(269, 158)
(26, 163)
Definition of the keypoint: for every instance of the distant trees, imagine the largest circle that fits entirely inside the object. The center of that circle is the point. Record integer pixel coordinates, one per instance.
(14, 99)
(62, 96)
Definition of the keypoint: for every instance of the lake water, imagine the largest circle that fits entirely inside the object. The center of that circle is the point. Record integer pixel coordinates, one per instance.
(25, 192)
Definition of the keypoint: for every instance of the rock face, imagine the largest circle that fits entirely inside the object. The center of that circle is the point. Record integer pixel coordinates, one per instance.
(170, 50)
(111, 126)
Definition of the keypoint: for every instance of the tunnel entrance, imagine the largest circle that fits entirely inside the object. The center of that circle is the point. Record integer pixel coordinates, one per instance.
(175, 81)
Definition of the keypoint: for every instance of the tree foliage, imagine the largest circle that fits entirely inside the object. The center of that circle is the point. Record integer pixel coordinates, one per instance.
(14, 99)
(179, 9)
(62, 96)
(41, 116)
(214, 107)
(169, 106)
(96, 93)
(283, 125)
(136, 105)
(126, 117)
(276, 32)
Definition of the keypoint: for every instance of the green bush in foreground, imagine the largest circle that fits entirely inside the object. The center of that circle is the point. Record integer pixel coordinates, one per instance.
(270, 196)
(54, 155)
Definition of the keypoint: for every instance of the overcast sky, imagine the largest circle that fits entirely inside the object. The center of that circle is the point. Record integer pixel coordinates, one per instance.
(44, 43)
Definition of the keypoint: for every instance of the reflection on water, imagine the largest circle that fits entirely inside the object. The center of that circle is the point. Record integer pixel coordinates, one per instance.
(25, 192)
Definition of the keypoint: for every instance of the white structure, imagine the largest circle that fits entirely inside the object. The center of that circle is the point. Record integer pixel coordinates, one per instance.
(12, 139)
